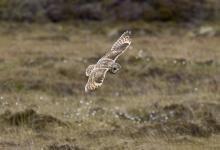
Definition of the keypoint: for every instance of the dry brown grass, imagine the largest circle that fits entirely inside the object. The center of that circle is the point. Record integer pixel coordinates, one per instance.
(165, 98)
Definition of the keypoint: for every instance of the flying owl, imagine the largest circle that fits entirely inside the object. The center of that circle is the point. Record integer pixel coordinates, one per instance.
(96, 72)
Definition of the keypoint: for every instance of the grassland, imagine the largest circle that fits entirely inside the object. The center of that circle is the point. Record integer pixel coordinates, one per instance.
(165, 97)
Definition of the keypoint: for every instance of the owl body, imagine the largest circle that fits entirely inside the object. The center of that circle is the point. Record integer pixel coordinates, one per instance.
(97, 72)
(105, 63)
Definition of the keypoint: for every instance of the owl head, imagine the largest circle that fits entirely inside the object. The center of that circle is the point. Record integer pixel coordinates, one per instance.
(115, 68)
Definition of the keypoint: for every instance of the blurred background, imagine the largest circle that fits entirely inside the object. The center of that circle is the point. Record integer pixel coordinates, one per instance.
(165, 97)
(109, 10)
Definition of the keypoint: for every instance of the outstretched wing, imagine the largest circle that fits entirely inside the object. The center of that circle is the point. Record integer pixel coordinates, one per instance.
(96, 79)
(89, 69)
(119, 46)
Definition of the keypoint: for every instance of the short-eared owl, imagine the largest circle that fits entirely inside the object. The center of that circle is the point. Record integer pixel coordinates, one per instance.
(96, 72)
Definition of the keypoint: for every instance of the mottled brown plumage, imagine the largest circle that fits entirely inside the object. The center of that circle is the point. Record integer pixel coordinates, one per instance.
(97, 72)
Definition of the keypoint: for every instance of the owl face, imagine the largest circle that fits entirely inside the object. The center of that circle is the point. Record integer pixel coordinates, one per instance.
(115, 68)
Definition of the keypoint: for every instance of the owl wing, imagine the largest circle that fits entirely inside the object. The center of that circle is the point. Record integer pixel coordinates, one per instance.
(96, 79)
(119, 46)
(89, 69)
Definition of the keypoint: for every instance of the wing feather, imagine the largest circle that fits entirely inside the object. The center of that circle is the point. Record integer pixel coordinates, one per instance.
(119, 46)
(96, 79)
(89, 69)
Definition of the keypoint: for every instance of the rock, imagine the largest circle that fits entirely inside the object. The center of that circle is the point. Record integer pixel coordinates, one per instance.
(206, 31)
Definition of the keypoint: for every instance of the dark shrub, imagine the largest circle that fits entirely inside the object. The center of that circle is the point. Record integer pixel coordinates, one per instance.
(129, 10)
(23, 10)
(183, 9)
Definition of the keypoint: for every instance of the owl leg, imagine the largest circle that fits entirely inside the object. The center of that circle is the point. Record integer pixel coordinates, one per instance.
(115, 67)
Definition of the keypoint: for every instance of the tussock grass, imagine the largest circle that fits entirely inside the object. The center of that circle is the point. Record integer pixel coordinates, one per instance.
(165, 96)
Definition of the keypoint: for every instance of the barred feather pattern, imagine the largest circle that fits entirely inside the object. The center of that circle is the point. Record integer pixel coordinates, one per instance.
(96, 73)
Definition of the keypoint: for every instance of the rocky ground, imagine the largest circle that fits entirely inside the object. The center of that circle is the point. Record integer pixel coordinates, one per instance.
(166, 96)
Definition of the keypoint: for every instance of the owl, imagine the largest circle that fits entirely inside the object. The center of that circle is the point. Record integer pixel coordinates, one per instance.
(96, 72)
